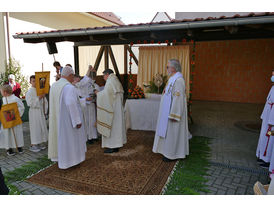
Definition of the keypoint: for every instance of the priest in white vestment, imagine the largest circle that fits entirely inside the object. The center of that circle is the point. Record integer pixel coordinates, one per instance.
(7, 138)
(266, 140)
(172, 134)
(71, 133)
(37, 121)
(110, 113)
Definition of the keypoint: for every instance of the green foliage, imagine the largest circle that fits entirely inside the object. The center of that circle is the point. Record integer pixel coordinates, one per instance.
(20, 174)
(13, 190)
(187, 178)
(152, 88)
(13, 67)
(28, 169)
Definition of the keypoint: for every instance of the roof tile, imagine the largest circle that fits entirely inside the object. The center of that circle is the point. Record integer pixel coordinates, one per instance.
(162, 22)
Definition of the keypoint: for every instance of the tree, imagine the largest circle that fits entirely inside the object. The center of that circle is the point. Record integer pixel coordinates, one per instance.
(13, 67)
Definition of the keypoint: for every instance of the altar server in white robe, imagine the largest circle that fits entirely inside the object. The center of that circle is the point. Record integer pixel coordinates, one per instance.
(7, 139)
(86, 88)
(71, 133)
(172, 134)
(266, 141)
(37, 121)
(110, 113)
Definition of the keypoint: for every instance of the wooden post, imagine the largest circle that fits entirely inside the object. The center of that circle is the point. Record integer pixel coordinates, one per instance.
(125, 72)
(106, 58)
(99, 57)
(133, 55)
(114, 63)
(8, 34)
(76, 59)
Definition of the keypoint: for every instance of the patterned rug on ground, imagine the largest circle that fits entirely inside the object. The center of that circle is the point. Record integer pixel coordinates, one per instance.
(135, 169)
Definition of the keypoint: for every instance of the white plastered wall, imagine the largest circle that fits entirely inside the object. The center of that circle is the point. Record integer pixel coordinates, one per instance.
(3, 56)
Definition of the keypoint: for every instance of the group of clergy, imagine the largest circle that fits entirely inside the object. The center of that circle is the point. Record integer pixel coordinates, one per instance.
(78, 109)
(72, 116)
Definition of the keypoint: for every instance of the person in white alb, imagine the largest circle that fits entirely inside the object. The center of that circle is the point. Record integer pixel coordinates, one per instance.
(37, 121)
(172, 134)
(8, 137)
(86, 89)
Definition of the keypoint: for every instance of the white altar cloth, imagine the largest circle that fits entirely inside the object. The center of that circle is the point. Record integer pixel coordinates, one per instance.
(142, 114)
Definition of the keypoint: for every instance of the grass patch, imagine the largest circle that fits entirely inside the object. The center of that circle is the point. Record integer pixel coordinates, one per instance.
(21, 173)
(187, 178)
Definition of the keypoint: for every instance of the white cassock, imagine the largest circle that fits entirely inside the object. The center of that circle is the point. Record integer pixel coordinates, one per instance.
(171, 137)
(266, 143)
(71, 141)
(7, 137)
(54, 107)
(37, 121)
(85, 89)
(110, 114)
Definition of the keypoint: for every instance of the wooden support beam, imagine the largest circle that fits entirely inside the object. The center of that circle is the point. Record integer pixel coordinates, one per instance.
(99, 57)
(125, 73)
(113, 60)
(133, 55)
(106, 57)
(76, 59)
(114, 63)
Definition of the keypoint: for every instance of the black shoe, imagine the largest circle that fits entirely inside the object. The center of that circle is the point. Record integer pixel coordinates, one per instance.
(91, 141)
(20, 150)
(108, 150)
(111, 150)
(116, 150)
(10, 152)
(260, 161)
(265, 165)
(166, 159)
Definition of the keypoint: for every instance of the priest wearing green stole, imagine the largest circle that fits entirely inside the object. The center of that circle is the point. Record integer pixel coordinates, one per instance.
(110, 113)
(172, 134)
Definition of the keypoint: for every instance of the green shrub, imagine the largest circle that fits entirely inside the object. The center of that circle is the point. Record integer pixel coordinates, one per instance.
(13, 67)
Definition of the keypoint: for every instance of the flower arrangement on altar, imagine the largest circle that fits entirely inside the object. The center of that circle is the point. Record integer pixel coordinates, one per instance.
(136, 93)
(158, 83)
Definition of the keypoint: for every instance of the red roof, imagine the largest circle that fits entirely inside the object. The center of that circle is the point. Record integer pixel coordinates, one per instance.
(162, 22)
(109, 16)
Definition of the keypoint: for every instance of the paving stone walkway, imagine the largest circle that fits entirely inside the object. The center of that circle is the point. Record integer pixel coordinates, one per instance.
(233, 168)
(9, 163)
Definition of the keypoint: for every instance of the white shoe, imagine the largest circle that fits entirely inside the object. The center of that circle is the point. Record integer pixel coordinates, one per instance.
(34, 148)
(42, 147)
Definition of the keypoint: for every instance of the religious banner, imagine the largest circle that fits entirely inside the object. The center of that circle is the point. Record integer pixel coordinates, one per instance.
(42, 82)
(10, 116)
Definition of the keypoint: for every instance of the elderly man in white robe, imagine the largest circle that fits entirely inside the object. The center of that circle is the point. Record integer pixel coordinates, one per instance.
(110, 113)
(172, 134)
(71, 133)
(266, 140)
(67, 143)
